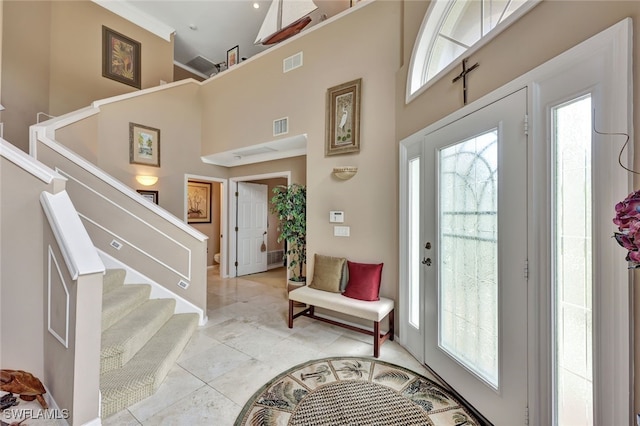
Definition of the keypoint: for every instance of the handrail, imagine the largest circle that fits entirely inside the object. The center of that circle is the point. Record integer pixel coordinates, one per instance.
(77, 248)
(40, 133)
(27, 163)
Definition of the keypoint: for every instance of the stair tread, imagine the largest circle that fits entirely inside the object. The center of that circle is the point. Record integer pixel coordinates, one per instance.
(143, 374)
(118, 303)
(124, 338)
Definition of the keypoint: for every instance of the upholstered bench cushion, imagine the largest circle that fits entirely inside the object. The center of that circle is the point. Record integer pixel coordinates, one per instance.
(370, 310)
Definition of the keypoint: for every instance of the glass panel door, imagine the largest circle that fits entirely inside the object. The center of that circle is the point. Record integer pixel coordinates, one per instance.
(468, 199)
(475, 288)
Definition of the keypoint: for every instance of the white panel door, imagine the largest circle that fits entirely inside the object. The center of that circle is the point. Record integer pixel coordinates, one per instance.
(252, 228)
(475, 225)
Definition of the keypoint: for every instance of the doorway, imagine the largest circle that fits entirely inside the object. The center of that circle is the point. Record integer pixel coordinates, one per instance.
(253, 245)
(556, 267)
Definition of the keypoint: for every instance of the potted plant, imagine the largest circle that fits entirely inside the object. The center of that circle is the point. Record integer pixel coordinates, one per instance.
(289, 203)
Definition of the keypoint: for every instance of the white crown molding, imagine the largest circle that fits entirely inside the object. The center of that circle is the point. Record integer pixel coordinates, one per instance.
(125, 10)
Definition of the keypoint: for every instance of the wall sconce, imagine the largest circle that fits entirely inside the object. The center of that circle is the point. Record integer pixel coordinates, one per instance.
(1, 107)
(147, 180)
(345, 173)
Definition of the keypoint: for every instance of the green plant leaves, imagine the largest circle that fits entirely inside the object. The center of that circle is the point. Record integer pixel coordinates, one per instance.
(289, 203)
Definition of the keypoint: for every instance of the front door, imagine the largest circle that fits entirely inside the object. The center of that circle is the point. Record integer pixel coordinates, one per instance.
(251, 228)
(474, 257)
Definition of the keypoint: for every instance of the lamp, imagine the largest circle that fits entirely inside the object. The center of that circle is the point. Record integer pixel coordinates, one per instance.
(344, 173)
(1, 107)
(147, 180)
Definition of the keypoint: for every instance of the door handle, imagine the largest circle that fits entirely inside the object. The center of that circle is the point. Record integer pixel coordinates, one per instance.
(426, 261)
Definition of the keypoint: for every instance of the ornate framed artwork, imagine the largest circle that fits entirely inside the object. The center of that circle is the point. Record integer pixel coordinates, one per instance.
(120, 58)
(149, 195)
(144, 145)
(343, 118)
(198, 202)
(232, 56)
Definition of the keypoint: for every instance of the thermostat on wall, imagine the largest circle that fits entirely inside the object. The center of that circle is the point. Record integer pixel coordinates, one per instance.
(336, 217)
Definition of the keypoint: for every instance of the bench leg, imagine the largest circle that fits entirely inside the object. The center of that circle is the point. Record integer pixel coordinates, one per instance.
(290, 313)
(392, 329)
(376, 339)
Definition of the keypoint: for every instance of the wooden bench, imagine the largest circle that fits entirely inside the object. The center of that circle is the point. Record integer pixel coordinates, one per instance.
(374, 311)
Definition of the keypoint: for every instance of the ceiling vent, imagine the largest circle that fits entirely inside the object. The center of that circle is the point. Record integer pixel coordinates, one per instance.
(292, 62)
(201, 64)
(281, 126)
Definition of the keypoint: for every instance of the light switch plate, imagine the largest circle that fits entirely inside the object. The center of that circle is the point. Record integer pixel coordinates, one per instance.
(341, 231)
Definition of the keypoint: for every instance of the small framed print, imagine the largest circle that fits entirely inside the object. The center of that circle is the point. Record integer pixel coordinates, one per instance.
(144, 145)
(120, 58)
(149, 195)
(232, 56)
(343, 118)
(198, 202)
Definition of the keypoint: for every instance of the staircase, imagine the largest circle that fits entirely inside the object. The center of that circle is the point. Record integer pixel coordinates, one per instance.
(141, 340)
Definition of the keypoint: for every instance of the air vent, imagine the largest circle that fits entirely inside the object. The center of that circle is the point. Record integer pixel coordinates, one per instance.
(201, 64)
(292, 62)
(281, 126)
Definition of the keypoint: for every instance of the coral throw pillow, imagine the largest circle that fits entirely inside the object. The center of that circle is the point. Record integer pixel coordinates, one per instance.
(364, 281)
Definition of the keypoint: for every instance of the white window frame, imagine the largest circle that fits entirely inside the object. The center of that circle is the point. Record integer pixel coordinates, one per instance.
(430, 26)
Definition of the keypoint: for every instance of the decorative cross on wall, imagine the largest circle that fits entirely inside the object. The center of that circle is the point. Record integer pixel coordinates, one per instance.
(463, 76)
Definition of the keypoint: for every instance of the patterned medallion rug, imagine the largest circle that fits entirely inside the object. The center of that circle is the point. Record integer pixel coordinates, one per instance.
(353, 391)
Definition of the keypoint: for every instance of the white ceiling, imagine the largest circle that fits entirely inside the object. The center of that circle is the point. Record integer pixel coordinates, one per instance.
(206, 28)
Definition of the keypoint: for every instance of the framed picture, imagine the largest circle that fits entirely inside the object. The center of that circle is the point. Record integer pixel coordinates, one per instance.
(232, 56)
(198, 202)
(149, 195)
(343, 118)
(120, 58)
(144, 145)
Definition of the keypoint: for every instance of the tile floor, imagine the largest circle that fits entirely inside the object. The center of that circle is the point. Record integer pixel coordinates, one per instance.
(245, 343)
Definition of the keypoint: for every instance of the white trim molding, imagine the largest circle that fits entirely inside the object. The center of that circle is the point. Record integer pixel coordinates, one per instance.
(64, 339)
(74, 242)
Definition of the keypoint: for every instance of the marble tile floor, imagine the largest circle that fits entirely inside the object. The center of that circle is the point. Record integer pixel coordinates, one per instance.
(245, 343)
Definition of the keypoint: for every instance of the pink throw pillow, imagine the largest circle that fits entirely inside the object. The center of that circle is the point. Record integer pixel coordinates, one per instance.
(364, 281)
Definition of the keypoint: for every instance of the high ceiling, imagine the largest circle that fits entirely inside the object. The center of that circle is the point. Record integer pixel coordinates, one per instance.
(207, 28)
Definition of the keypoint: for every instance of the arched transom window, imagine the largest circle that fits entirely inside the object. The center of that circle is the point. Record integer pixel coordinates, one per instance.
(452, 27)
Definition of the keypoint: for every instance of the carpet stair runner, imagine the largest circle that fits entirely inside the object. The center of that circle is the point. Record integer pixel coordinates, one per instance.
(141, 340)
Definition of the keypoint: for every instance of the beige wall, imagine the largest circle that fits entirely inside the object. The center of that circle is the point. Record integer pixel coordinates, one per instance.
(353, 47)
(76, 55)
(175, 111)
(25, 66)
(180, 73)
(56, 64)
(296, 165)
(22, 276)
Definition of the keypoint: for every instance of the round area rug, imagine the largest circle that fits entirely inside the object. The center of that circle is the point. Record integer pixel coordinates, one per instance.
(353, 391)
